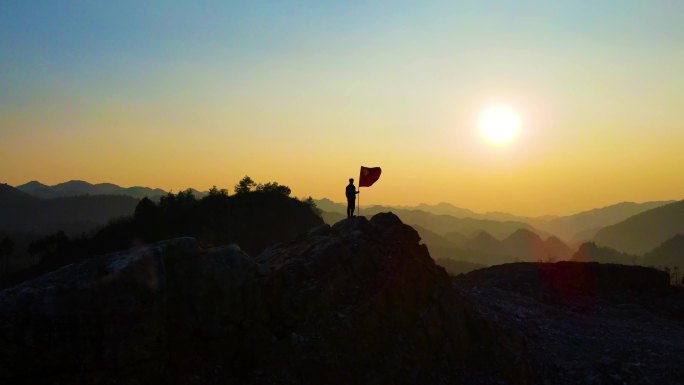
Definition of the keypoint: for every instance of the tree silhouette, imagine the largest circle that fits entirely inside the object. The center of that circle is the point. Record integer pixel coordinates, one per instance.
(273, 188)
(245, 185)
(213, 191)
(312, 205)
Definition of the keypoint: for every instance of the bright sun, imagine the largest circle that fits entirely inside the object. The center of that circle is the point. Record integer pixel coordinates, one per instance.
(499, 125)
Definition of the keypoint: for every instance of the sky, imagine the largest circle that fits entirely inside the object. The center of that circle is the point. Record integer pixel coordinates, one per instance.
(175, 94)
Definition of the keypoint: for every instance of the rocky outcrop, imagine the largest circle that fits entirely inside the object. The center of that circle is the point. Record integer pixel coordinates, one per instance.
(585, 323)
(87, 323)
(570, 278)
(359, 302)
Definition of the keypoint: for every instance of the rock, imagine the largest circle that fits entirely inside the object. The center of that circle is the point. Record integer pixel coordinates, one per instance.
(585, 322)
(361, 302)
(570, 277)
(104, 317)
(320, 231)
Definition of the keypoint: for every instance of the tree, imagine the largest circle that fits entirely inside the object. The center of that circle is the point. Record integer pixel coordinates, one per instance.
(146, 209)
(213, 192)
(273, 188)
(245, 185)
(148, 220)
(312, 205)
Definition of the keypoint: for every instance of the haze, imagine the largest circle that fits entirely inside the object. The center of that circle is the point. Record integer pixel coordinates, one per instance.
(177, 96)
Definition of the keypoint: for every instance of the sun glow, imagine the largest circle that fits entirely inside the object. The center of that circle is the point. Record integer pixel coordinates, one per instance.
(499, 125)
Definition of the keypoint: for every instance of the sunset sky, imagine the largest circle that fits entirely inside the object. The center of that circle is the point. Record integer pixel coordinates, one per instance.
(193, 94)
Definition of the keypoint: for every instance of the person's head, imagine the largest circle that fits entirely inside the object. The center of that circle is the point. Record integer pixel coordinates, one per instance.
(351, 180)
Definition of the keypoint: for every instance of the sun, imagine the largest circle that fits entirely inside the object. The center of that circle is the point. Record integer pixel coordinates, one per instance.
(499, 124)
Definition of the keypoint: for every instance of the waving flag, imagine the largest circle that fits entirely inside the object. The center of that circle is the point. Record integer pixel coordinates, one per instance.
(369, 175)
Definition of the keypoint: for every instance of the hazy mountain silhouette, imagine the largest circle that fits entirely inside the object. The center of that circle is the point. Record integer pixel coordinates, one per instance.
(557, 249)
(482, 249)
(79, 188)
(443, 208)
(443, 224)
(584, 225)
(332, 217)
(38, 190)
(21, 212)
(460, 259)
(485, 243)
(11, 196)
(456, 238)
(643, 232)
(590, 252)
(439, 224)
(573, 229)
(326, 204)
(670, 253)
(433, 239)
(525, 245)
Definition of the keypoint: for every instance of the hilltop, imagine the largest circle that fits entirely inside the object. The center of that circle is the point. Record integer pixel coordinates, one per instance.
(358, 302)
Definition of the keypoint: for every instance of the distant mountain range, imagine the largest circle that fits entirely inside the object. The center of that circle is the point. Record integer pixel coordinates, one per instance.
(669, 253)
(21, 212)
(437, 223)
(590, 252)
(483, 248)
(627, 227)
(645, 231)
(572, 229)
(583, 226)
(79, 187)
(443, 208)
(620, 233)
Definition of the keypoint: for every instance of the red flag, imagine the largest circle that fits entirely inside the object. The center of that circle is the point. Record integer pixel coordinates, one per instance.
(369, 175)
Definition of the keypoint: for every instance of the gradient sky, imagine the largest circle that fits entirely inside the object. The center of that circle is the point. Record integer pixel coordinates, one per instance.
(194, 94)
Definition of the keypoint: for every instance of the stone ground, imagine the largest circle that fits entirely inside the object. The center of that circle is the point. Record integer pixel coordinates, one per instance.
(594, 337)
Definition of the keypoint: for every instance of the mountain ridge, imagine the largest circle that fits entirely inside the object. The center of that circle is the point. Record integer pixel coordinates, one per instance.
(21, 212)
(573, 228)
(645, 231)
(79, 187)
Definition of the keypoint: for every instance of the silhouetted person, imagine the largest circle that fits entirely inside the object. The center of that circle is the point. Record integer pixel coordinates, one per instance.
(351, 198)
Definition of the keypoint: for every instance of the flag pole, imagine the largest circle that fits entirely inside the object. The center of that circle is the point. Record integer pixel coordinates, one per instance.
(358, 203)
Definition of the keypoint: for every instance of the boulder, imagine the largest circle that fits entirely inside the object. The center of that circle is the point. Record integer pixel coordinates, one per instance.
(358, 302)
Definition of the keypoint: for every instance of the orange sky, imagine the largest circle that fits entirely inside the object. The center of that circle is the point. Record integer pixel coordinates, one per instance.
(198, 97)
